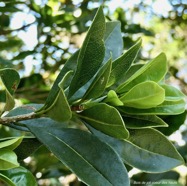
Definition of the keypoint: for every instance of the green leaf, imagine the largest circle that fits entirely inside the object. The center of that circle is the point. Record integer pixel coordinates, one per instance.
(20, 176)
(106, 119)
(151, 146)
(10, 144)
(5, 179)
(10, 79)
(174, 122)
(121, 65)
(144, 95)
(91, 54)
(28, 146)
(112, 99)
(60, 109)
(155, 70)
(98, 86)
(71, 64)
(145, 149)
(113, 40)
(138, 122)
(166, 108)
(172, 93)
(93, 161)
(8, 159)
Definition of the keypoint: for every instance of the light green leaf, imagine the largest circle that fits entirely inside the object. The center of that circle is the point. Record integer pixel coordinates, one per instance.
(155, 70)
(121, 65)
(98, 86)
(144, 95)
(20, 177)
(91, 54)
(113, 40)
(6, 180)
(172, 93)
(146, 149)
(10, 144)
(10, 79)
(60, 110)
(166, 108)
(106, 119)
(8, 159)
(139, 122)
(89, 158)
(112, 99)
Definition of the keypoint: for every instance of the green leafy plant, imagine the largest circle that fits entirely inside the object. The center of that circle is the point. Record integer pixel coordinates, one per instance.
(100, 114)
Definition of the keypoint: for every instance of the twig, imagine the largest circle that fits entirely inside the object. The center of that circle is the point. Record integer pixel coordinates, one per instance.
(14, 119)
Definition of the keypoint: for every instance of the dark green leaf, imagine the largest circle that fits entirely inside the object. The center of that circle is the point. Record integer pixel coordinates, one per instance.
(69, 65)
(154, 148)
(28, 146)
(137, 121)
(91, 54)
(146, 149)
(10, 79)
(98, 85)
(113, 40)
(94, 162)
(121, 65)
(106, 119)
(60, 109)
(174, 122)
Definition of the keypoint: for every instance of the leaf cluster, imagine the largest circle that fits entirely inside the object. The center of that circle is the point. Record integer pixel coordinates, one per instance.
(115, 106)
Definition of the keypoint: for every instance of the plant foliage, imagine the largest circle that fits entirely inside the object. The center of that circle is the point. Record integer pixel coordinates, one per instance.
(115, 111)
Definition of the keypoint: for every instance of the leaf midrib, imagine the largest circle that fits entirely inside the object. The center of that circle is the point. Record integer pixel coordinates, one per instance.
(81, 157)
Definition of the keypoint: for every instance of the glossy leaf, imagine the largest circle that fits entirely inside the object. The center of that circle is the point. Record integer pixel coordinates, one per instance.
(138, 122)
(91, 54)
(6, 180)
(60, 109)
(113, 40)
(144, 95)
(166, 108)
(152, 147)
(146, 149)
(106, 119)
(10, 79)
(20, 176)
(89, 158)
(10, 144)
(121, 65)
(172, 93)
(98, 86)
(8, 159)
(155, 70)
(112, 99)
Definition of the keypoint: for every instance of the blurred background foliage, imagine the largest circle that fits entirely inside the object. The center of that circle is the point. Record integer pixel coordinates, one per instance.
(38, 36)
